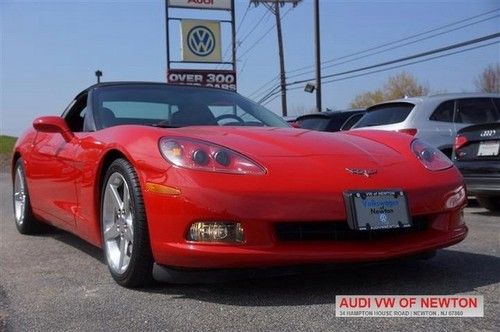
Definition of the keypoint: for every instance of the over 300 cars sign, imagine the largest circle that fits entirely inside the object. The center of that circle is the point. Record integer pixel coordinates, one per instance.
(224, 79)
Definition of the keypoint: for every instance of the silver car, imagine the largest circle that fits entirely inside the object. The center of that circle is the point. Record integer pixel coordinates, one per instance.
(435, 119)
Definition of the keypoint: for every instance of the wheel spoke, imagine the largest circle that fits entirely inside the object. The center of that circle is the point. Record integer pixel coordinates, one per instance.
(126, 198)
(117, 202)
(128, 234)
(19, 196)
(123, 252)
(111, 233)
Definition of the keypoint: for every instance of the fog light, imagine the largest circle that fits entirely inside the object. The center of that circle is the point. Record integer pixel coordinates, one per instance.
(216, 232)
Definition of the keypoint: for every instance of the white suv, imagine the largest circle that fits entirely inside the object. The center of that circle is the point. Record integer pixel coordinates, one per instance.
(435, 119)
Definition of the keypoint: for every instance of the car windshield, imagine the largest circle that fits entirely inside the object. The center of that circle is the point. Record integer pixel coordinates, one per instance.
(178, 106)
(385, 114)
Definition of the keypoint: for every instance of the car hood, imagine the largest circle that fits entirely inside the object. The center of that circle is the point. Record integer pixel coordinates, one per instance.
(261, 142)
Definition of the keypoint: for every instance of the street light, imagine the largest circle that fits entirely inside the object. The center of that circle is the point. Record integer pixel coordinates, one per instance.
(309, 87)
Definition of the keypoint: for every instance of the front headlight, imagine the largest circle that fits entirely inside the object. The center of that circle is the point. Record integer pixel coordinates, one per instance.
(205, 156)
(431, 157)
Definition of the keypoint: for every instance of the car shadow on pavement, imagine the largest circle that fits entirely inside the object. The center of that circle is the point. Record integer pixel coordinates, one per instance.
(450, 272)
(486, 213)
(75, 242)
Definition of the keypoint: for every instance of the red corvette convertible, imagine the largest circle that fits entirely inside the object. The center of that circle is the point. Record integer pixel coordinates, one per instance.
(169, 179)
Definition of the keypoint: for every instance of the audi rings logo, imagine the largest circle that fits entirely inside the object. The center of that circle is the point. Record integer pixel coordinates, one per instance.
(488, 133)
(201, 41)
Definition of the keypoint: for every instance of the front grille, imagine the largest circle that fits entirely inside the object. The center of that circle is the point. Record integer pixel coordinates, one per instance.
(340, 231)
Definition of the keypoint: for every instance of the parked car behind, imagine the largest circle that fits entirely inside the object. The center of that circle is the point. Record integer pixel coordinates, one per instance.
(330, 120)
(435, 119)
(477, 156)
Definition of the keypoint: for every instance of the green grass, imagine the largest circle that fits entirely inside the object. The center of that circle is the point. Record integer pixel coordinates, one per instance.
(6, 144)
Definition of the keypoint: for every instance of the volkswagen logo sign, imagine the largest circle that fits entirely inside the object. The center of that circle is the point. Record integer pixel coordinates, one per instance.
(201, 41)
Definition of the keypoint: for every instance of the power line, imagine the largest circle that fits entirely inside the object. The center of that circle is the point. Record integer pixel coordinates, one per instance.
(256, 92)
(390, 68)
(401, 40)
(415, 56)
(419, 55)
(266, 14)
(396, 47)
(412, 63)
(244, 38)
(263, 36)
(228, 48)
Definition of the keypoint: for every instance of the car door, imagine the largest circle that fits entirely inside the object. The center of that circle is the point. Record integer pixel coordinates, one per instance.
(440, 132)
(53, 173)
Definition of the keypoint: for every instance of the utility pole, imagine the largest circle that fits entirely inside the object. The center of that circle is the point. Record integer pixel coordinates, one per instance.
(274, 7)
(317, 42)
(281, 55)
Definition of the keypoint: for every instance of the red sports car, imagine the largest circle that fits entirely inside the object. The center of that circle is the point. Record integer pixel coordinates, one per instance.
(169, 179)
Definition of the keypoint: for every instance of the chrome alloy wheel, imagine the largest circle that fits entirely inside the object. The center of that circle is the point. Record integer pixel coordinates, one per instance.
(19, 196)
(118, 223)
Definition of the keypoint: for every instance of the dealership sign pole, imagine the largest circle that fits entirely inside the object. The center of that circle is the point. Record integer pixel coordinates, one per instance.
(201, 44)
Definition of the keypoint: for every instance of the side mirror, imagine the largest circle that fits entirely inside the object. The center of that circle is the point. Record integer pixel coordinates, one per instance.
(53, 124)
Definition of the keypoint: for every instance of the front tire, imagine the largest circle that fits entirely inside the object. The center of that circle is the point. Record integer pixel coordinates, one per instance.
(492, 203)
(26, 222)
(124, 228)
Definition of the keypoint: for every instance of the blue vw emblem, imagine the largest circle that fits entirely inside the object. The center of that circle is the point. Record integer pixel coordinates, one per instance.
(201, 41)
(383, 218)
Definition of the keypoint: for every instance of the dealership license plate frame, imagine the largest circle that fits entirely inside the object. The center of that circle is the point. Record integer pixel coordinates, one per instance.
(359, 218)
(488, 149)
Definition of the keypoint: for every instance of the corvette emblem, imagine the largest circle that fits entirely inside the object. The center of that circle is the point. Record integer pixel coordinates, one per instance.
(359, 171)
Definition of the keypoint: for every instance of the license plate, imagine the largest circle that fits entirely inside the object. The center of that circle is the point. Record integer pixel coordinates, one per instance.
(377, 210)
(488, 148)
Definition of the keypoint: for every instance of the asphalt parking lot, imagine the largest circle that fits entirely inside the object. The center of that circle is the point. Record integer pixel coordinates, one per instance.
(58, 282)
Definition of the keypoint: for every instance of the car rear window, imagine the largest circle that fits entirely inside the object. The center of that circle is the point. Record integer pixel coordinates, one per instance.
(496, 101)
(314, 123)
(385, 114)
(476, 110)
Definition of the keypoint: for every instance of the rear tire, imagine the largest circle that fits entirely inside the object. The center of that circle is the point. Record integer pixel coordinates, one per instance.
(124, 227)
(492, 203)
(26, 222)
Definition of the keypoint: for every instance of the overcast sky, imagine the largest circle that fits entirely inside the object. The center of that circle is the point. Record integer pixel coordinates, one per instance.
(50, 49)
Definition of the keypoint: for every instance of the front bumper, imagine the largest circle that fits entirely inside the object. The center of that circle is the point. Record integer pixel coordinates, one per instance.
(260, 211)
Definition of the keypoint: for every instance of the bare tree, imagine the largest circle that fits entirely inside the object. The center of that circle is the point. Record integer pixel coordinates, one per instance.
(489, 79)
(367, 99)
(404, 85)
(397, 86)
